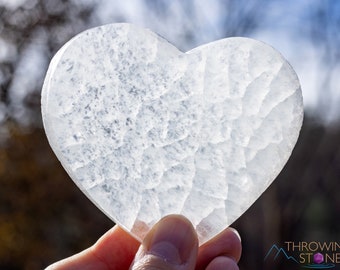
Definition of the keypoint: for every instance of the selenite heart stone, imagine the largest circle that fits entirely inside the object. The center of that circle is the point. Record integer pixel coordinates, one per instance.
(145, 130)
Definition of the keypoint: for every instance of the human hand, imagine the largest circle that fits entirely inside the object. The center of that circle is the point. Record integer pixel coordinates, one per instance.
(171, 244)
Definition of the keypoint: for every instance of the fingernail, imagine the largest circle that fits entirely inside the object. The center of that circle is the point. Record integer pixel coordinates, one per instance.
(173, 239)
(235, 232)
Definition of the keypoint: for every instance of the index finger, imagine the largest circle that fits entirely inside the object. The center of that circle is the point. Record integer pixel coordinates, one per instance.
(114, 250)
(226, 244)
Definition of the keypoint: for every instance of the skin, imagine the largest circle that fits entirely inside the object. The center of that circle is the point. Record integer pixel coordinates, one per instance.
(116, 249)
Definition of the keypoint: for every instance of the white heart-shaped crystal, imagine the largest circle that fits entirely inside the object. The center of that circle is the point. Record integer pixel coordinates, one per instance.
(145, 130)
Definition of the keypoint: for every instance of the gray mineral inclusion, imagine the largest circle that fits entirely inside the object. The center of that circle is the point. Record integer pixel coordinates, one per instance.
(145, 130)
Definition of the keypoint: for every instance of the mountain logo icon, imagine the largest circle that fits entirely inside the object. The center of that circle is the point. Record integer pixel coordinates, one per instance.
(276, 252)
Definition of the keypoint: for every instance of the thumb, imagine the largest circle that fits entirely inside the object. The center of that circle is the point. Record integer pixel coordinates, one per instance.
(170, 245)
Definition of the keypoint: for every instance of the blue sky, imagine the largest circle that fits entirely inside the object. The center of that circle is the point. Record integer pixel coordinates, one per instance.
(290, 26)
(286, 25)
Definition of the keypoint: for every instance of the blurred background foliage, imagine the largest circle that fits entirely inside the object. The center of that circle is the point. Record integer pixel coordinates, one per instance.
(44, 217)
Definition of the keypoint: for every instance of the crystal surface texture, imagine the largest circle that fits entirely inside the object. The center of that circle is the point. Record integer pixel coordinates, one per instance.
(146, 130)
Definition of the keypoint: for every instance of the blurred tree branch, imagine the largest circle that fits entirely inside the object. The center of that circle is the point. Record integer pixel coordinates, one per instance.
(37, 29)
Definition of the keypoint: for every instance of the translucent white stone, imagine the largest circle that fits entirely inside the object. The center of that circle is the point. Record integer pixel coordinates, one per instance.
(145, 130)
